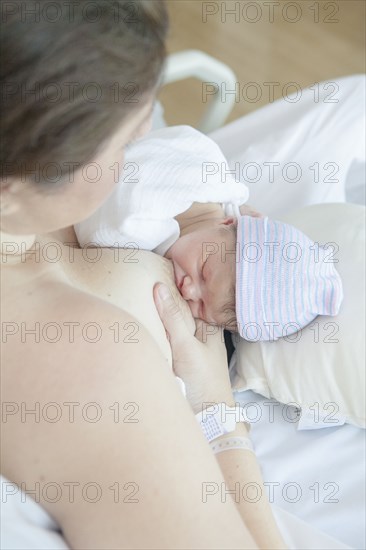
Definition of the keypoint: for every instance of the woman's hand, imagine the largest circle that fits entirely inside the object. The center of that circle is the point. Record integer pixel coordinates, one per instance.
(247, 210)
(200, 359)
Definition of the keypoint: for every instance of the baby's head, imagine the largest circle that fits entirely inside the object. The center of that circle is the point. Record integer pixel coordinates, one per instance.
(204, 263)
(259, 277)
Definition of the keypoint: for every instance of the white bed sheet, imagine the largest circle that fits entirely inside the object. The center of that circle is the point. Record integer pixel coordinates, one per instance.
(298, 534)
(295, 153)
(315, 475)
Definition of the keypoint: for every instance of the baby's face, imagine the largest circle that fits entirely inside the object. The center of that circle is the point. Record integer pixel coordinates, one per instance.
(204, 269)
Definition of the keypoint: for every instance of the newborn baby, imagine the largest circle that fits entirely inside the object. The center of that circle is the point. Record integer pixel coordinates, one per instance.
(181, 201)
(261, 278)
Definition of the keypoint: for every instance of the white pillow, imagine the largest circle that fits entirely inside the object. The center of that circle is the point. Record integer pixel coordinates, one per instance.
(320, 369)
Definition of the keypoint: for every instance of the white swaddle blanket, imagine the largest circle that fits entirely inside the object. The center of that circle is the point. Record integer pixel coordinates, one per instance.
(163, 175)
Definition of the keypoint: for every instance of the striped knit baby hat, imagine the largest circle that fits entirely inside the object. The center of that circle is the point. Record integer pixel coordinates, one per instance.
(283, 279)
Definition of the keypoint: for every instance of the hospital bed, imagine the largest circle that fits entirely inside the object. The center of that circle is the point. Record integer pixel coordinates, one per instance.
(317, 491)
(315, 478)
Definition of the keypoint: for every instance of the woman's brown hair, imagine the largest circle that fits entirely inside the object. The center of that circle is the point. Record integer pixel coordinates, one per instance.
(70, 73)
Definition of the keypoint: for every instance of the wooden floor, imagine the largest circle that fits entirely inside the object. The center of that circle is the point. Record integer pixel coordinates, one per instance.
(263, 42)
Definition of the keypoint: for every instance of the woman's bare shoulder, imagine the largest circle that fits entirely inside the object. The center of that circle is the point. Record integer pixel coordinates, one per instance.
(63, 324)
(75, 368)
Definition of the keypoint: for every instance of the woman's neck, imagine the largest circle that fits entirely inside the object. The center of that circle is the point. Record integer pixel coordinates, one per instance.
(14, 247)
(65, 235)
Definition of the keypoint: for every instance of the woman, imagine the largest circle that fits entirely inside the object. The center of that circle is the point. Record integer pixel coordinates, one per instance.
(79, 83)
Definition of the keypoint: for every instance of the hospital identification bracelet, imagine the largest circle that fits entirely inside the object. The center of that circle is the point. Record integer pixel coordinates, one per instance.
(230, 443)
(219, 419)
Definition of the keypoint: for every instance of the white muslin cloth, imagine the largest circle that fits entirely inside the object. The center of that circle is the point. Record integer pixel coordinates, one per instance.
(164, 174)
(25, 525)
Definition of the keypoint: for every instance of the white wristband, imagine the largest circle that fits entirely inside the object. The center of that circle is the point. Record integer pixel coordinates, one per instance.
(230, 443)
(219, 419)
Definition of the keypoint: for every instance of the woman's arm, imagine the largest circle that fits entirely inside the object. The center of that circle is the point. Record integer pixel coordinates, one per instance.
(244, 481)
(207, 382)
(126, 456)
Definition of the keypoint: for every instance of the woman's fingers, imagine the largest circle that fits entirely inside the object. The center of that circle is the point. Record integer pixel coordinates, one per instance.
(200, 360)
(212, 335)
(171, 316)
(247, 210)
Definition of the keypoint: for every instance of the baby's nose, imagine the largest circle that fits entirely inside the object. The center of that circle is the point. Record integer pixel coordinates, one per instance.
(189, 290)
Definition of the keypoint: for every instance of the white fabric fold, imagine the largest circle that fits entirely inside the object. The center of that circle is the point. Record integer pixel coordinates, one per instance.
(165, 173)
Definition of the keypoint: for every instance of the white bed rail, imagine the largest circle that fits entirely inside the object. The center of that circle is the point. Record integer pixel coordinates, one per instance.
(217, 78)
